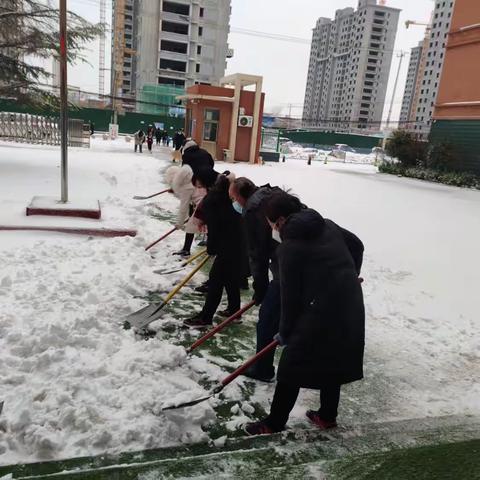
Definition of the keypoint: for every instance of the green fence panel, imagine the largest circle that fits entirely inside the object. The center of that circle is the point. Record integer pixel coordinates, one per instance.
(307, 137)
(464, 135)
(130, 122)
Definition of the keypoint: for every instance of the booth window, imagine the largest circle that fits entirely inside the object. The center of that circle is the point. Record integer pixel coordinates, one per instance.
(210, 124)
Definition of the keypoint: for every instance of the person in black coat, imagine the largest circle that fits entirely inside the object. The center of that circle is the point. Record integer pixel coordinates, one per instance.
(225, 242)
(178, 140)
(322, 325)
(197, 158)
(250, 201)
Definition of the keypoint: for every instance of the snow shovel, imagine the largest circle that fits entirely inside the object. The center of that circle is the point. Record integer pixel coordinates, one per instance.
(220, 326)
(150, 313)
(226, 380)
(183, 264)
(138, 197)
(148, 247)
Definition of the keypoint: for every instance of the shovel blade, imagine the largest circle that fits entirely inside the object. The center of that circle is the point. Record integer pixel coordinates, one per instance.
(187, 404)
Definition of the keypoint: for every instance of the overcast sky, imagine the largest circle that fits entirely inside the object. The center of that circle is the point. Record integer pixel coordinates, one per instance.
(282, 64)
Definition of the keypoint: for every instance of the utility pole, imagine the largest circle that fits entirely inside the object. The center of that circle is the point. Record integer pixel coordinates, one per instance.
(400, 55)
(63, 101)
(101, 53)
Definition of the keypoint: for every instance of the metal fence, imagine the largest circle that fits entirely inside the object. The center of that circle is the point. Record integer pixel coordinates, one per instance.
(37, 129)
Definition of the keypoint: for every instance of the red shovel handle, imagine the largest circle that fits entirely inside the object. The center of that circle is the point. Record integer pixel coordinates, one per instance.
(159, 193)
(161, 238)
(220, 326)
(248, 364)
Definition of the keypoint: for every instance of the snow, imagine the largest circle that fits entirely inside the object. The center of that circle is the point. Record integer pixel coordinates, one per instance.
(75, 383)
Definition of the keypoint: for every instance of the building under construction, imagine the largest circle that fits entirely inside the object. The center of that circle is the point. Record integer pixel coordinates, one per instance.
(159, 48)
(426, 63)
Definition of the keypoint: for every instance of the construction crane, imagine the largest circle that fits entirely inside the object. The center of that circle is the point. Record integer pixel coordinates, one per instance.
(413, 22)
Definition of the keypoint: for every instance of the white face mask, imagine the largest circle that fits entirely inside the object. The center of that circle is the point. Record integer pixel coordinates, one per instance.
(276, 236)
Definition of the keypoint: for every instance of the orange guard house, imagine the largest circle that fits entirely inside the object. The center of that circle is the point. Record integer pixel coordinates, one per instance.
(226, 120)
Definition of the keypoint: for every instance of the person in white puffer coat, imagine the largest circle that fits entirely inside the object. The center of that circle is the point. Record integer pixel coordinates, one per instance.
(180, 181)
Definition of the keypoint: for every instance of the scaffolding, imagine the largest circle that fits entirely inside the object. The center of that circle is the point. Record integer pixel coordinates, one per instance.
(161, 100)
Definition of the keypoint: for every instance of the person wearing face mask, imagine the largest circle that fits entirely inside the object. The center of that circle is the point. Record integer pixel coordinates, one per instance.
(248, 199)
(322, 324)
(225, 241)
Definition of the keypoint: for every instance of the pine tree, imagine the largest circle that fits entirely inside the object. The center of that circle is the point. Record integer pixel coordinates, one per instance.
(29, 30)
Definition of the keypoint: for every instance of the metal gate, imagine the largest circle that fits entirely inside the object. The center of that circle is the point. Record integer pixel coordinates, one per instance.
(37, 129)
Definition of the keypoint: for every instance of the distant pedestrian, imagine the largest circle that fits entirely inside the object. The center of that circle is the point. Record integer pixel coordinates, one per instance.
(139, 140)
(150, 133)
(158, 136)
(178, 141)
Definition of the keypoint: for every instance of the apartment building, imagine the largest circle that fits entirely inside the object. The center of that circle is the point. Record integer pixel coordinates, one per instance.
(349, 68)
(410, 85)
(422, 100)
(170, 43)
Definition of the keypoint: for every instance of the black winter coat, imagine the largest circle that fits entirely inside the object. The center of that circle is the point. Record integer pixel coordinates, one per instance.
(198, 159)
(323, 318)
(178, 140)
(225, 237)
(261, 246)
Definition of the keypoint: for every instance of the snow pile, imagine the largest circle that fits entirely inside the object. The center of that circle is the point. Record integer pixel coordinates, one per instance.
(73, 381)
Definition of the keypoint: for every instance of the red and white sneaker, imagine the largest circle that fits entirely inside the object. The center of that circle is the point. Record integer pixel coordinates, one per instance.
(314, 417)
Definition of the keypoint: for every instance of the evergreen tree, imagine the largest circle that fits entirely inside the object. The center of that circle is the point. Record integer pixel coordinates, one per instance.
(29, 30)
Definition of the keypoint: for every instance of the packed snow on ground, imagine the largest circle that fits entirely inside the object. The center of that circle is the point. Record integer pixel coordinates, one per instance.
(75, 383)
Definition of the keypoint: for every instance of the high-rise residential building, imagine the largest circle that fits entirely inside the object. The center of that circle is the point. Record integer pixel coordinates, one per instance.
(166, 46)
(410, 85)
(349, 68)
(423, 97)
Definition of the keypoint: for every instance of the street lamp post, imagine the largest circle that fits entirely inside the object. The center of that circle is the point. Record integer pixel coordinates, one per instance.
(63, 101)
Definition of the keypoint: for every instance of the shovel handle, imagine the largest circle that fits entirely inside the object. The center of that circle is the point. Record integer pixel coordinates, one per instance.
(194, 257)
(148, 247)
(248, 364)
(156, 194)
(221, 326)
(185, 280)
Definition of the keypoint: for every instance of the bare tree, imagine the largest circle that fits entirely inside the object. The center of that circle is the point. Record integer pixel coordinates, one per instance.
(29, 30)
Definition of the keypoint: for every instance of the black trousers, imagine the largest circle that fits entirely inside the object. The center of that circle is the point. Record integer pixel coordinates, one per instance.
(284, 400)
(224, 274)
(267, 327)
(187, 244)
(189, 237)
(139, 146)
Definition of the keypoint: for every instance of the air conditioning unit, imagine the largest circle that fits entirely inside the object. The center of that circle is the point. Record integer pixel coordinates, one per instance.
(245, 121)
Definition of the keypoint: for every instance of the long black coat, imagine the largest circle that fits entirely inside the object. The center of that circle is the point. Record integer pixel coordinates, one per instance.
(261, 246)
(323, 318)
(198, 159)
(225, 237)
(178, 140)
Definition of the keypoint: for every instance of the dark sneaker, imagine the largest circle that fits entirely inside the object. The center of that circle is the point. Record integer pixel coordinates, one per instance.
(182, 253)
(197, 322)
(228, 313)
(314, 417)
(202, 288)
(258, 428)
(202, 243)
(251, 373)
